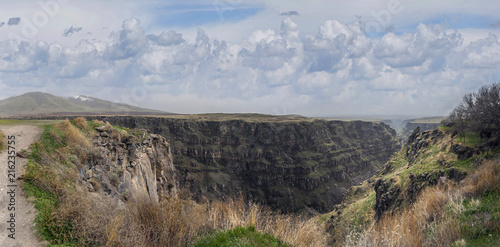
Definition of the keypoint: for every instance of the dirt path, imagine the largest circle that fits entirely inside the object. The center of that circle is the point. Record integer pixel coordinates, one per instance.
(12, 198)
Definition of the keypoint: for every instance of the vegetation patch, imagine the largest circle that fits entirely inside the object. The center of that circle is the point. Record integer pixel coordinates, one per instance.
(3, 141)
(239, 237)
(49, 227)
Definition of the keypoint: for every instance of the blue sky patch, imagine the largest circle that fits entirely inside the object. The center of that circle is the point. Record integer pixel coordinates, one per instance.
(191, 16)
(456, 21)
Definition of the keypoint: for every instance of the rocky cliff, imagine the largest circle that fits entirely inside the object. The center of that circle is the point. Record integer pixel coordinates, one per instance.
(128, 166)
(289, 165)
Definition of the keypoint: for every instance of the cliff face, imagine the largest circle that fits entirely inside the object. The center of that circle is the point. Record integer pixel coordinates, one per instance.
(126, 166)
(290, 166)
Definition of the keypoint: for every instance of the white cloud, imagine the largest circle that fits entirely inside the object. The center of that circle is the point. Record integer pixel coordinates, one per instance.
(337, 70)
(483, 53)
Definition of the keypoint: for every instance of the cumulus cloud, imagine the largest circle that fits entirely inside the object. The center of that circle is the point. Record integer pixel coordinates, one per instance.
(128, 42)
(71, 30)
(167, 38)
(484, 53)
(13, 21)
(337, 70)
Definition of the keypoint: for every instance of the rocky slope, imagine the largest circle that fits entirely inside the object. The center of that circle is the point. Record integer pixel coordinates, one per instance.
(434, 159)
(289, 165)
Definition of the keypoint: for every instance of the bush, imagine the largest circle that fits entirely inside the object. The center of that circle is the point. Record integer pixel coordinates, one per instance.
(478, 111)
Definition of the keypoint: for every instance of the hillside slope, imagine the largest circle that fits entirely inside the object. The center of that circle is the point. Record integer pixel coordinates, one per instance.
(438, 191)
(37, 103)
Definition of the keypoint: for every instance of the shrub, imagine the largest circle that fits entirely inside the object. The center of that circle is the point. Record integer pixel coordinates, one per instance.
(479, 111)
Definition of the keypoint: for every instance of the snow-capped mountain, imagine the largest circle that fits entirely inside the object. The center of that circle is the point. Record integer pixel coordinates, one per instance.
(38, 103)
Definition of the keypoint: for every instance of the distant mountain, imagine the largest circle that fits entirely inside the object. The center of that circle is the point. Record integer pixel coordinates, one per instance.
(37, 103)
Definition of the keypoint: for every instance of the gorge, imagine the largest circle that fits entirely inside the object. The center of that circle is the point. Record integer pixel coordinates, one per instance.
(293, 165)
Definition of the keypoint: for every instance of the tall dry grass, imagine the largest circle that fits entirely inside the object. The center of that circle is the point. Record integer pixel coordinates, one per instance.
(72, 135)
(176, 222)
(426, 223)
(81, 123)
(179, 222)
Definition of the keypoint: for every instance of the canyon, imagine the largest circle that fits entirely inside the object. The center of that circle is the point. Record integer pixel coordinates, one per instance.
(295, 165)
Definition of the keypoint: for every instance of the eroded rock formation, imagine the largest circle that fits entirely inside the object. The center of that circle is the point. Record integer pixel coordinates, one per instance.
(126, 166)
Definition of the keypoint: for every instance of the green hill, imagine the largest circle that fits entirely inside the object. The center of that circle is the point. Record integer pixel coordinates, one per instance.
(37, 103)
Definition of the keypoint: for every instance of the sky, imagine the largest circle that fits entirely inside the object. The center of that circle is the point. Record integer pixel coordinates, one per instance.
(313, 58)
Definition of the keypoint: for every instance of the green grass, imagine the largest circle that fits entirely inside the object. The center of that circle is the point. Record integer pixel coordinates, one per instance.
(471, 139)
(239, 237)
(2, 141)
(50, 140)
(27, 122)
(445, 128)
(42, 183)
(480, 221)
(46, 226)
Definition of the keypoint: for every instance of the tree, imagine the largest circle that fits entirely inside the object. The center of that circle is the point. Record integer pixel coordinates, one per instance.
(478, 111)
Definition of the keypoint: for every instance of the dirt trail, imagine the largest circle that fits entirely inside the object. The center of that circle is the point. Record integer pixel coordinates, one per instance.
(11, 192)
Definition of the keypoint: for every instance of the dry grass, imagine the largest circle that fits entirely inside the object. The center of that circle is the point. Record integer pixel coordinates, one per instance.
(98, 122)
(76, 141)
(178, 222)
(73, 136)
(486, 178)
(81, 123)
(426, 223)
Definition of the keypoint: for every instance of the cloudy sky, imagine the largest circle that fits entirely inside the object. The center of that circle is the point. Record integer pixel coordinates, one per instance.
(314, 58)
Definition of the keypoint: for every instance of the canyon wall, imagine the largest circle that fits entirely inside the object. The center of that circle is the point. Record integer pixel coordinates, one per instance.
(289, 165)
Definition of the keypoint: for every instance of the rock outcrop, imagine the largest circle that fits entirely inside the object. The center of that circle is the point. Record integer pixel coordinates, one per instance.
(128, 167)
(291, 165)
(387, 195)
